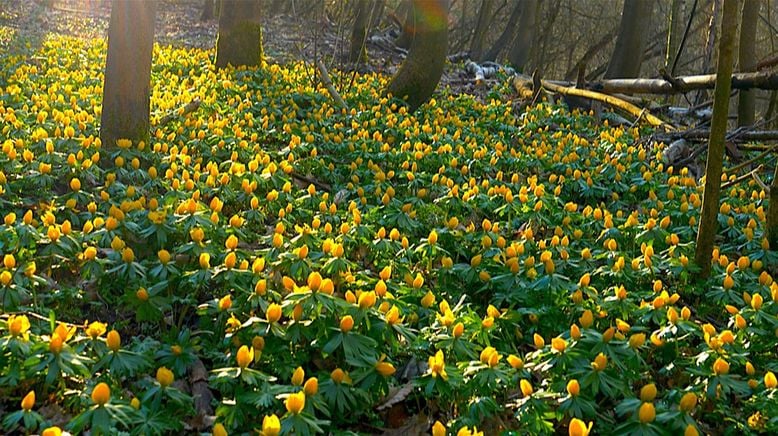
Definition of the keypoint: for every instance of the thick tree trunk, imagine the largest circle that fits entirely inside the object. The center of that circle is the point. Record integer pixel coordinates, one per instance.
(240, 34)
(674, 32)
(207, 11)
(406, 36)
(420, 73)
(521, 48)
(746, 106)
(706, 232)
(481, 30)
(633, 30)
(125, 113)
(358, 52)
(507, 34)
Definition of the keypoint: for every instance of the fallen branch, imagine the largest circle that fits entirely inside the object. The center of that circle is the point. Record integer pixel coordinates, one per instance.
(703, 134)
(325, 79)
(520, 83)
(186, 109)
(750, 161)
(747, 175)
(679, 85)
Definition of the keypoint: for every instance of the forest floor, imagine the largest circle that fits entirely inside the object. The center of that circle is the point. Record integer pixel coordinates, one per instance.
(286, 37)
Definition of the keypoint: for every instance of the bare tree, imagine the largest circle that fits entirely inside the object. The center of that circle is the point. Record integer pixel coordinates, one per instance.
(128, 72)
(358, 52)
(507, 34)
(746, 107)
(706, 232)
(630, 43)
(521, 48)
(674, 32)
(481, 30)
(420, 73)
(240, 34)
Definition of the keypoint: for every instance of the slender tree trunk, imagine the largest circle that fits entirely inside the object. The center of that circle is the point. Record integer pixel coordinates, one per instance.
(633, 29)
(507, 34)
(420, 73)
(521, 48)
(772, 212)
(481, 30)
(674, 32)
(713, 168)
(358, 52)
(746, 108)
(125, 113)
(207, 11)
(377, 13)
(240, 34)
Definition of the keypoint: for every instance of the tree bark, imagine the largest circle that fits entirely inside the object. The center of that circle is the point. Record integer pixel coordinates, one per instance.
(125, 113)
(633, 29)
(746, 107)
(507, 34)
(481, 30)
(240, 34)
(406, 36)
(358, 52)
(521, 48)
(207, 11)
(706, 232)
(674, 32)
(420, 73)
(377, 13)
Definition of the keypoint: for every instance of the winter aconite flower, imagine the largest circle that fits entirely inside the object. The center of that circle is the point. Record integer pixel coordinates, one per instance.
(113, 340)
(295, 403)
(95, 330)
(101, 394)
(164, 377)
(688, 402)
(271, 425)
(437, 365)
(244, 356)
(579, 428)
(28, 402)
(273, 313)
(646, 413)
(52, 431)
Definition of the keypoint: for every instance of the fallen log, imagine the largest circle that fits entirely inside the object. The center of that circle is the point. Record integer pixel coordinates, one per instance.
(679, 85)
(703, 134)
(521, 85)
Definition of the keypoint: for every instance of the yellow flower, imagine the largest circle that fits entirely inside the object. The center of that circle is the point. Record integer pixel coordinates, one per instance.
(428, 299)
(295, 403)
(273, 312)
(225, 302)
(113, 340)
(648, 392)
(438, 429)
(271, 426)
(433, 237)
(6, 277)
(164, 256)
(538, 340)
(231, 243)
(646, 413)
(311, 386)
(101, 394)
(95, 330)
(28, 402)
(691, 430)
(688, 402)
(366, 300)
(393, 316)
(526, 387)
(438, 365)
(720, 367)
(18, 325)
(600, 362)
(52, 431)
(418, 282)
(298, 376)
(205, 260)
(573, 387)
(346, 323)
(9, 261)
(770, 381)
(384, 368)
(515, 362)
(579, 428)
(558, 344)
(458, 329)
(244, 356)
(219, 430)
(55, 344)
(164, 377)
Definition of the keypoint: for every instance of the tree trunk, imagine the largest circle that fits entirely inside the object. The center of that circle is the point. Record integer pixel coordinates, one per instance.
(207, 11)
(674, 32)
(525, 35)
(507, 34)
(358, 52)
(420, 73)
(377, 13)
(633, 30)
(706, 232)
(406, 36)
(772, 212)
(747, 60)
(481, 30)
(240, 34)
(125, 113)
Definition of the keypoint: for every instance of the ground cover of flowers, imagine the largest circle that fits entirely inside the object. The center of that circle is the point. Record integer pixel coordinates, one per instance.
(305, 265)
